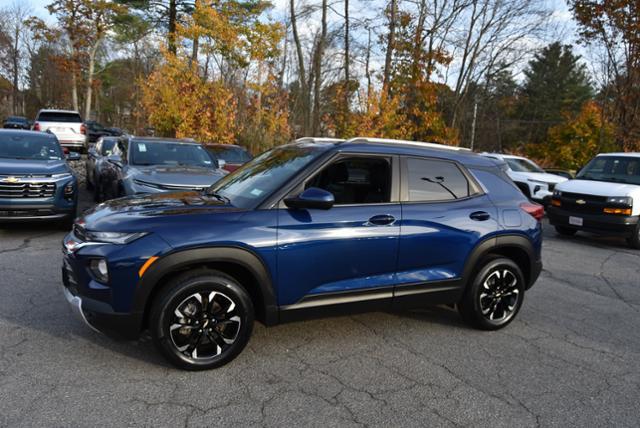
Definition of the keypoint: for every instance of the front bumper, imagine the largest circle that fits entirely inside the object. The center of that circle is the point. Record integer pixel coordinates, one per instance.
(35, 213)
(98, 315)
(605, 224)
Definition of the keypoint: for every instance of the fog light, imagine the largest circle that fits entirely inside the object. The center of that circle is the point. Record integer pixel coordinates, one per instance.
(69, 190)
(100, 270)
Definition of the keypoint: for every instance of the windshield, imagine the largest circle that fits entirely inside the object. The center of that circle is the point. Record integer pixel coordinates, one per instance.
(230, 154)
(261, 176)
(166, 153)
(17, 119)
(617, 169)
(29, 148)
(522, 165)
(107, 147)
(54, 116)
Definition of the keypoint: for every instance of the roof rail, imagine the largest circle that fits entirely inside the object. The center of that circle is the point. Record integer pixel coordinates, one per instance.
(318, 140)
(413, 143)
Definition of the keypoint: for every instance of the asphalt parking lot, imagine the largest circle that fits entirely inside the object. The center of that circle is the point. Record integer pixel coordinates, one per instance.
(571, 358)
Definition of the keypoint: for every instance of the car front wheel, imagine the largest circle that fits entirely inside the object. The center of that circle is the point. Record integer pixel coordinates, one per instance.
(495, 296)
(202, 320)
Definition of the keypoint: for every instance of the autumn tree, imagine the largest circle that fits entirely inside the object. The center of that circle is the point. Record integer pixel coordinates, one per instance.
(613, 27)
(571, 144)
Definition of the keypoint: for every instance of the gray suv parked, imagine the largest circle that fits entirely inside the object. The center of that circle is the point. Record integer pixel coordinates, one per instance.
(140, 165)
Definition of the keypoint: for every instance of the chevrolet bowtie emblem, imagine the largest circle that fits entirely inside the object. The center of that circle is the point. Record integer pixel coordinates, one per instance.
(581, 202)
(11, 180)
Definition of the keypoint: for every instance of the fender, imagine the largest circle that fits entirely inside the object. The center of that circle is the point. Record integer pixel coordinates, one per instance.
(183, 258)
(500, 241)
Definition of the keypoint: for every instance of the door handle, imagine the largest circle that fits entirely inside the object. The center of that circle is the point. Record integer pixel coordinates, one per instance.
(381, 220)
(480, 216)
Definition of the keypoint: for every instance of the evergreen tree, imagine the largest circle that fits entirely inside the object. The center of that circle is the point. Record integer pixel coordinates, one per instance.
(556, 82)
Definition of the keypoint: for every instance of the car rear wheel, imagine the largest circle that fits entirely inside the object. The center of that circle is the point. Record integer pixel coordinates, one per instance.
(202, 320)
(495, 296)
(565, 231)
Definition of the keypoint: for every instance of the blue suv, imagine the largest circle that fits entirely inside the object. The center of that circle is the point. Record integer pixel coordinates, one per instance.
(312, 228)
(36, 183)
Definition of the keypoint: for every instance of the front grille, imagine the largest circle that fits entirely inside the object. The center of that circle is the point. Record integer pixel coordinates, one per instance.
(586, 204)
(69, 278)
(26, 213)
(27, 190)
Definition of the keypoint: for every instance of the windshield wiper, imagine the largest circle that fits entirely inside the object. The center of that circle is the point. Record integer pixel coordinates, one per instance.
(218, 196)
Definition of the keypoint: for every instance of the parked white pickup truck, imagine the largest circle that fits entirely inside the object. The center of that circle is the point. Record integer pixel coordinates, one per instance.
(66, 125)
(604, 198)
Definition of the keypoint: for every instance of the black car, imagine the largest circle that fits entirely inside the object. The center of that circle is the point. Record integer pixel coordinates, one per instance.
(16, 122)
(96, 161)
(95, 130)
(142, 165)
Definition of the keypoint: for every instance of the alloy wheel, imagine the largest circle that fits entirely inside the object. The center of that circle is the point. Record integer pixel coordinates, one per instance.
(204, 325)
(499, 295)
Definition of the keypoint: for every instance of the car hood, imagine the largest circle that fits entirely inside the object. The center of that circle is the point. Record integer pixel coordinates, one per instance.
(538, 176)
(32, 167)
(145, 212)
(178, 175)
(600, 188)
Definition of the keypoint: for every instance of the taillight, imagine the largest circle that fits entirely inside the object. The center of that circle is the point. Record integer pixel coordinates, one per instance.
(36, 126)
(83, 129)
(534, 210)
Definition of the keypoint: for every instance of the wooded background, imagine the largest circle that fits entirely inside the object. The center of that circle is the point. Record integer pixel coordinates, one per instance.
(494, 75)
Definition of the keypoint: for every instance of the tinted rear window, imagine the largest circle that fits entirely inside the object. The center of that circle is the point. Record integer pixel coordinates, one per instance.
(433, 180)
(17, 119)
(58, 117)
(230, 154)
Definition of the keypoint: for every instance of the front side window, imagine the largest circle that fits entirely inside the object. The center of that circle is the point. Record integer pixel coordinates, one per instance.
(435, 180)
(357, 180)
(29, 148)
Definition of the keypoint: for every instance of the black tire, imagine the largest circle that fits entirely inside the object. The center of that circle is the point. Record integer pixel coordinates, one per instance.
(565, 231)
(218, 330)
(493, 299)
(66, 224)
(634, 240)
(88, 183)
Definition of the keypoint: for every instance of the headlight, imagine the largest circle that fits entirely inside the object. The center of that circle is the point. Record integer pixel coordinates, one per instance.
(621, 200)
(62, 175)
(146, 183)
(99, 269)
(114, 237)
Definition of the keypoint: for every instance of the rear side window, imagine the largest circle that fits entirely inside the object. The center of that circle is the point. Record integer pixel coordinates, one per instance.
(431, 180)
(54, 116)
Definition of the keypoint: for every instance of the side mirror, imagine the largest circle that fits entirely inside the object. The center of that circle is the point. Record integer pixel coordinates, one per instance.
(222, 163)
(115, 159)
(311, 198)
(73, 156)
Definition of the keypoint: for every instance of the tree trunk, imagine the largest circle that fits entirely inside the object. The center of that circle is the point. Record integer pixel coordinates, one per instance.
(15, 57)
(74, 90)
(89, 87)
(171, 35)
(194, 52)
(318, 71)
(302, 75)
(347, 91)
(390, 45)
(367, 69)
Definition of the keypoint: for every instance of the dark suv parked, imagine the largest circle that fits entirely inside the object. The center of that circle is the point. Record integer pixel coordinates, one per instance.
(35, 181)
(140, 165)
(311, 228)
